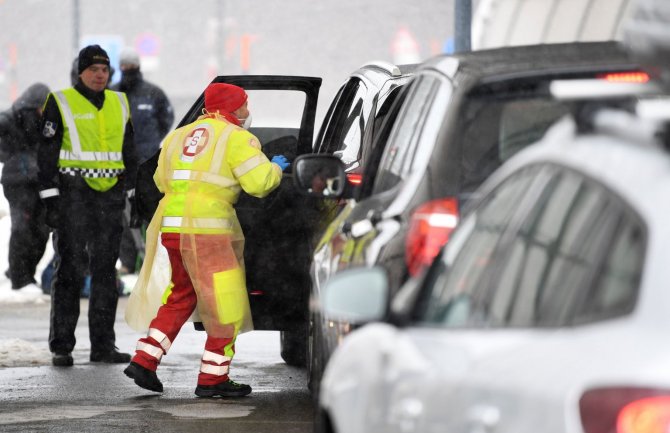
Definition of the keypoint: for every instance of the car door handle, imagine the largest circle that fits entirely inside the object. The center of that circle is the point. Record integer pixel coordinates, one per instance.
(483, 418)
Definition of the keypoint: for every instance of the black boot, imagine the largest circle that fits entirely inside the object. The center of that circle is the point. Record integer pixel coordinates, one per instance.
(224, 389)
(110, 357)
(62, 360)
(144, 377)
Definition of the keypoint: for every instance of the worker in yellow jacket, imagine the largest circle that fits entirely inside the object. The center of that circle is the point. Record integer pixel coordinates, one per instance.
(201, 170)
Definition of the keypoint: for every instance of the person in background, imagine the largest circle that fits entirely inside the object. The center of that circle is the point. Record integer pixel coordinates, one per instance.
(87, 167)
(202, 168)
(19, 141)
(152, 116)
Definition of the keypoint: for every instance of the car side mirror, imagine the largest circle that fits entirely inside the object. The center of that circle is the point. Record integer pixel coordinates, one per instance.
(357, 295)
(319, 175)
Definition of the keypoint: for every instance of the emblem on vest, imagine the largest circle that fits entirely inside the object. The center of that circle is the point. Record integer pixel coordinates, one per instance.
(49, 129)
(194, 144)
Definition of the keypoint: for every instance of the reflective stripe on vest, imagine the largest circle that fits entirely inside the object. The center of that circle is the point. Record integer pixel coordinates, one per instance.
(217, 370)
(202, 176)
(152, 350)
(249, 165)
(198, 223)
(91, 172)
(77, 154)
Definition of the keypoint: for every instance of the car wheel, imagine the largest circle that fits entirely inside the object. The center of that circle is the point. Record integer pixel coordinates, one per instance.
(293, 345)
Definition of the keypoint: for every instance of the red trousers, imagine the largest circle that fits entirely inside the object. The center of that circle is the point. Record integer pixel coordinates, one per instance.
(171, 317)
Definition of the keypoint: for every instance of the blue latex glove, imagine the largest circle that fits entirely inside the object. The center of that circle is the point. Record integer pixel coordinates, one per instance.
(281, 161)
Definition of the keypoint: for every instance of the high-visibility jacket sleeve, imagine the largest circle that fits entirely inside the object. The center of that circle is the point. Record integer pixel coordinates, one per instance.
(159, 178)
(257, 175)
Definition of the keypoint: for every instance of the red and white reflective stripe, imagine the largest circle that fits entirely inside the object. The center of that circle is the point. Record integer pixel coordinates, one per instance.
(215, 357)
(217, 370)
(152, 350)
(162, 339)
(51, 192)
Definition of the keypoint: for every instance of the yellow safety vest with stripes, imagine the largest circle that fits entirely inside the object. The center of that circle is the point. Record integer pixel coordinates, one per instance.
(202, 168)
(92, 144)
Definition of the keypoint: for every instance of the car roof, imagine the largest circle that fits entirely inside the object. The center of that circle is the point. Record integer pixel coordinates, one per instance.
(520, 61)
(379, 72)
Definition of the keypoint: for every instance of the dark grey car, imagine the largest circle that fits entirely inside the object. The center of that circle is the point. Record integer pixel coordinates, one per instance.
(459, 120)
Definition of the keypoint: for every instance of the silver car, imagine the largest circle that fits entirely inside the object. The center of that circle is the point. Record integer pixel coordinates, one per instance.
(548, 311)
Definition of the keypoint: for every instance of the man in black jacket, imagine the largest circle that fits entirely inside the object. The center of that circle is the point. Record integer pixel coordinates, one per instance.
(152, 118)
(87, 166)
(19, 140)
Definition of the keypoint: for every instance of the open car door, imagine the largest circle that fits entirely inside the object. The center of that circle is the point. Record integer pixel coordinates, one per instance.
(279, 229)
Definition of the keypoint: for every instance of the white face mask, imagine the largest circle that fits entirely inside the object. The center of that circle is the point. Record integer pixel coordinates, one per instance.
(246, 123)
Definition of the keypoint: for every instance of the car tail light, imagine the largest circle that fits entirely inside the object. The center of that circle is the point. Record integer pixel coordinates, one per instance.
(625, 410)
(625, 77)
(429, 229)
(355, 178)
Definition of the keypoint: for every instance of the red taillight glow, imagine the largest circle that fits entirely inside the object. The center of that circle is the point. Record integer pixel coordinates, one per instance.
(625, 77)
(355, 178)
(625, 410)
(649, 415)
(429, 229)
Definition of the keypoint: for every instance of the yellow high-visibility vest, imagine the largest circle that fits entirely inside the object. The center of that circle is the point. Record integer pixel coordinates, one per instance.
(202, 168)
(92, 144)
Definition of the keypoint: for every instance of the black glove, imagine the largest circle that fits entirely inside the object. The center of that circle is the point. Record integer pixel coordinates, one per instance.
(134, 220)
(52, 212)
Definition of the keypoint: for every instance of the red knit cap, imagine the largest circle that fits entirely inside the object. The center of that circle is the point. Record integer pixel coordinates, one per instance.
(224, 97)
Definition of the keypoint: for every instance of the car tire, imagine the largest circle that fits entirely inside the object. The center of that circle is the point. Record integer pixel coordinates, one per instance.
(293, 347)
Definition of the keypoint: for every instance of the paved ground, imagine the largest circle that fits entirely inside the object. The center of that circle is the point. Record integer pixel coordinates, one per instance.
(36, 397)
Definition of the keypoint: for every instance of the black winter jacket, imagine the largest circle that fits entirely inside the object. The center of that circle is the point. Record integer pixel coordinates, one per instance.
(151, 112)
(20, 137)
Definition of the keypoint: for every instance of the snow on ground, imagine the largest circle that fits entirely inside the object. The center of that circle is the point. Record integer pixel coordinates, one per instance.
(20, 353)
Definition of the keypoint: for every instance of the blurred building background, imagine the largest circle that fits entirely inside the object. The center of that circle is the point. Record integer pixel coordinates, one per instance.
(184, 44)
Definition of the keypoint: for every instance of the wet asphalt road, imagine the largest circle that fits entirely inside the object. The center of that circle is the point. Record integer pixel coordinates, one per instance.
(92, 397)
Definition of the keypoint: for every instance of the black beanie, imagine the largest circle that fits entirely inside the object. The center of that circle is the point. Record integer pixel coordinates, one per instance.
(92, 55)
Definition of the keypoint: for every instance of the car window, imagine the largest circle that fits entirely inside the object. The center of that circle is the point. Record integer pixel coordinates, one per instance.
(615, 290)
(553, 252)
(319, 144)
(380, 139)
(276, 108)
(495, 127)
(453, 298)
(382, 110)
(344, 128)
(405, 135)
(575, 256)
